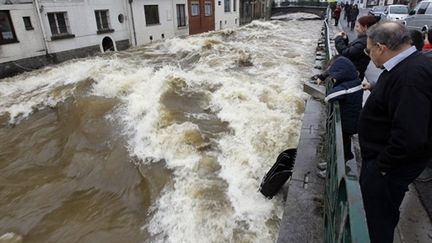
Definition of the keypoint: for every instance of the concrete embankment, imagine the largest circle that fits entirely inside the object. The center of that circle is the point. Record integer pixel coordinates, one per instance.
(303, 214)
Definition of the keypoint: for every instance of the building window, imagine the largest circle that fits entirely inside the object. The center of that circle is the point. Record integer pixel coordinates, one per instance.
(102, 21)
(235, 5)
(27, 23)
(181, 15)
(208, 8)
(227, 5)
(59, 25)
(195, 8)
(151, 13)
(7, 32)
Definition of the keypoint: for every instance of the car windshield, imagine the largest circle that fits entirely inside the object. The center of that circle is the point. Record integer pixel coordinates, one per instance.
(379, 8)
(399, 10)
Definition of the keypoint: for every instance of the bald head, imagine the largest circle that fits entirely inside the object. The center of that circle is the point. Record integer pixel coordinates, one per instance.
(392, 34)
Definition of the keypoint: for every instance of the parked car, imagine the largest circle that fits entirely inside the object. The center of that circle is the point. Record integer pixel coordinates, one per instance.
(377, 10)
(420, 18)
(395, 12)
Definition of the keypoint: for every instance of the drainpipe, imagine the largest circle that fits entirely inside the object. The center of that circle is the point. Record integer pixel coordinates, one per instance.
(38, 12)
(133, 22)
(174, 18)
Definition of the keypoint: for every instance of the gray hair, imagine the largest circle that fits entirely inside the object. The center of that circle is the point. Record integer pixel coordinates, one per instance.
(390, 33)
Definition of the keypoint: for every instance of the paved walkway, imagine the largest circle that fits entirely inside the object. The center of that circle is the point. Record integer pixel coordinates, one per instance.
(415, 224)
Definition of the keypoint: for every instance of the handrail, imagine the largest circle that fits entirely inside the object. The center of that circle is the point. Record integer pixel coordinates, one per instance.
(344, 216)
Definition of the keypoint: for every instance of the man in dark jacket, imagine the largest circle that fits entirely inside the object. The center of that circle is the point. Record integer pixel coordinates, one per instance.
(347, 10)
(354, 12)
(395, 126)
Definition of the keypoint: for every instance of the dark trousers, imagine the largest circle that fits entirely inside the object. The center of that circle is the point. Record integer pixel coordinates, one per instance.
(346, 16)
(336, 21)
(352, 24)
(382, 197)
(346, 138)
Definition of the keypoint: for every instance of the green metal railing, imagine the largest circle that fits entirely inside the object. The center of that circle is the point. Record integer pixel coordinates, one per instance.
(344, 216)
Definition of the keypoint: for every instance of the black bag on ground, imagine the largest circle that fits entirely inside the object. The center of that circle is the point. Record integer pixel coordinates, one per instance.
(279, 173)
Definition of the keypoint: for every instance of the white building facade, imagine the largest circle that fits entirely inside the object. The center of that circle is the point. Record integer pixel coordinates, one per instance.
(158, 19)
(34, 33)
(18, 28)
(227, 14)
(74, 24)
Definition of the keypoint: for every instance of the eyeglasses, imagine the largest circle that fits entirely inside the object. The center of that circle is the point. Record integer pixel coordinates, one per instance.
(366, 52)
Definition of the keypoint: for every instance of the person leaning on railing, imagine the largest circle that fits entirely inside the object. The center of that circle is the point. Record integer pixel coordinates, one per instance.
(394, 127)
(348, 91)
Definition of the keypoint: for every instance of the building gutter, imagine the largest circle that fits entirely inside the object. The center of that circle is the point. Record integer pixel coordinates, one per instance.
(38, 12)
(133, 22)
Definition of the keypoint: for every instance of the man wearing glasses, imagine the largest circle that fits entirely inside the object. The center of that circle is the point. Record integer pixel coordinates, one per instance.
(395, 126)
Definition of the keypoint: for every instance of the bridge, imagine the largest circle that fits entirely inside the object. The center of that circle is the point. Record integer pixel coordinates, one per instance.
(312, 7)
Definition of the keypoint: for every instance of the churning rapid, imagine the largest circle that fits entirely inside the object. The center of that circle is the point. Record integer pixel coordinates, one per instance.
(162, 143)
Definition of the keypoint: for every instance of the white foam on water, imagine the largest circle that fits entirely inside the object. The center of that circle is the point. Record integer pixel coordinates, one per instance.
(295, 16)
(263, 106)
(11, 237)
(22, 94)
(252, 77)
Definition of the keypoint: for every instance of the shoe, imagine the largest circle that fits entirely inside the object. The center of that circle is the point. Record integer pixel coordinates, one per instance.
(322, 166)
(425, 176)
(322, 174)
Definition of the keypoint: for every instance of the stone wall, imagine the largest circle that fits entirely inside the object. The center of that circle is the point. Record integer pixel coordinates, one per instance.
(28, 64)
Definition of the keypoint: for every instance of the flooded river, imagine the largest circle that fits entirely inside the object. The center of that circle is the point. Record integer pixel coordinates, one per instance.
(162, 143)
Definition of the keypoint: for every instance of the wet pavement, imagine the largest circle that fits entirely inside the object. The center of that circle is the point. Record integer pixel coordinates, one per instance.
(416, 210)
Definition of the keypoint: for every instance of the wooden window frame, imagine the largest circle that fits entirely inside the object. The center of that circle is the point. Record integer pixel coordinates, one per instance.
(195, 6)
(206, 4)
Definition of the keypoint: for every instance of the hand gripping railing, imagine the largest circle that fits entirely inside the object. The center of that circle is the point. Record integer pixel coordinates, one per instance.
(344, 217)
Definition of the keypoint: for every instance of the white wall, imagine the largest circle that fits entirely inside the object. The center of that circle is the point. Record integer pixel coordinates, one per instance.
(29, 41)
(82, 22)
(167, 21)
(228, 19)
